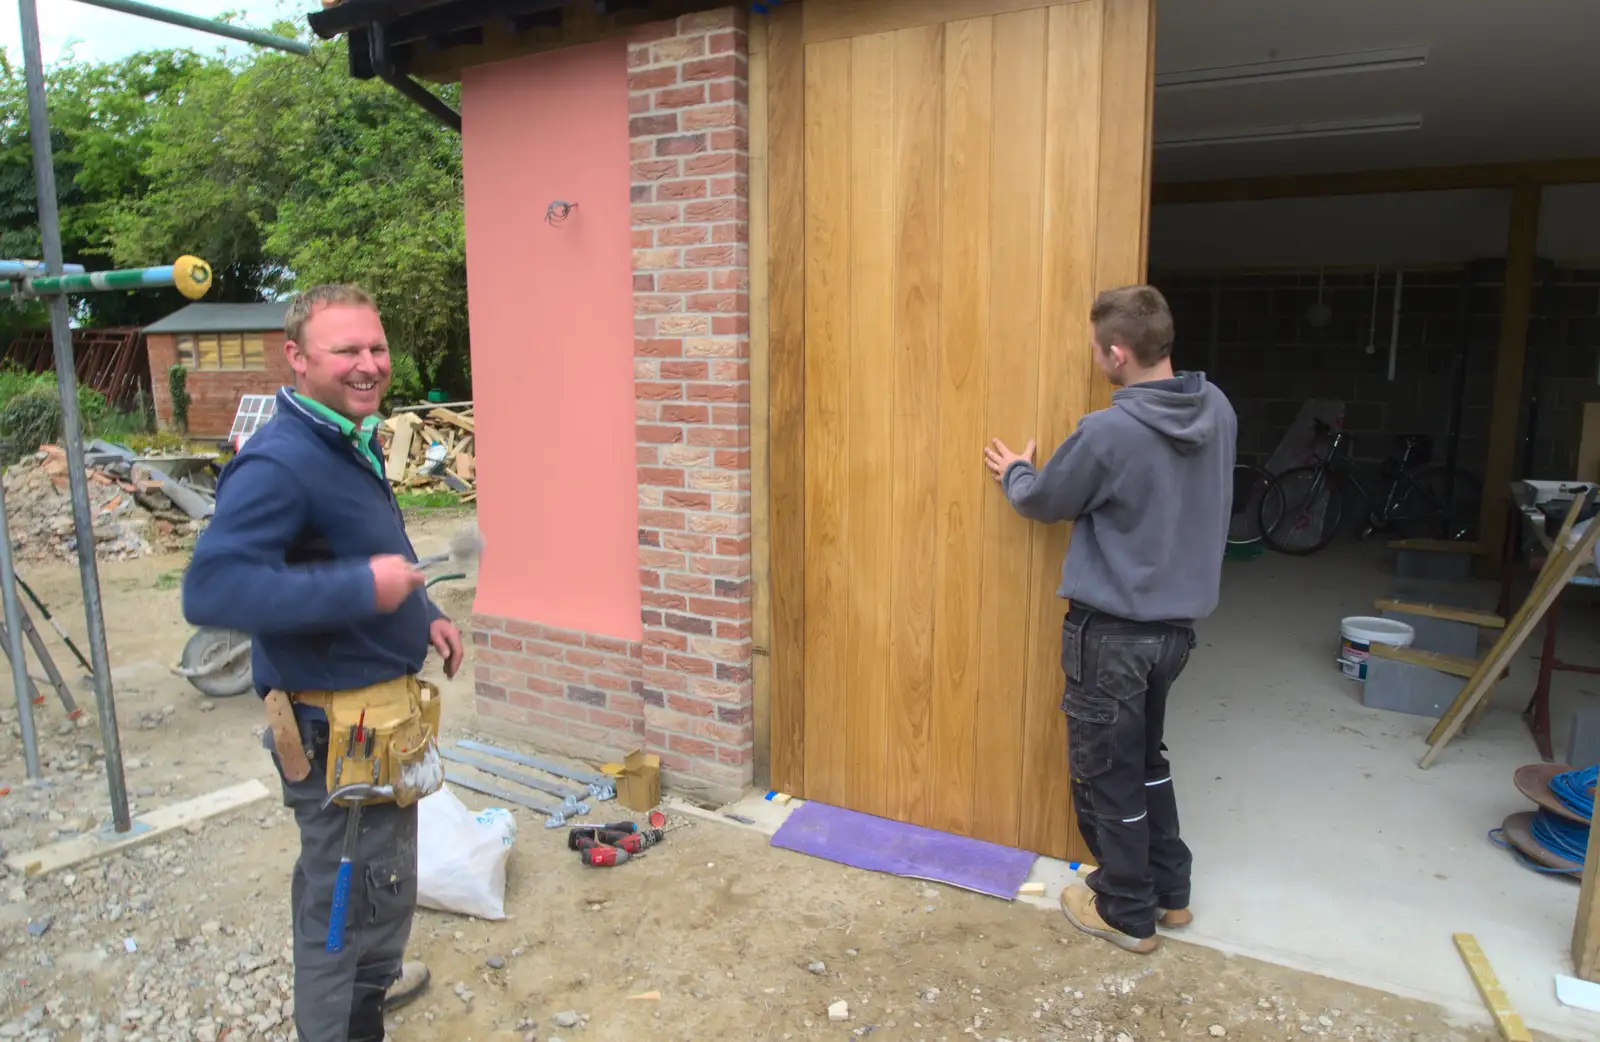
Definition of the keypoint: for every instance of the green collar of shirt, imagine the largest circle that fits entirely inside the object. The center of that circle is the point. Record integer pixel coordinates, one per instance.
(360, 436)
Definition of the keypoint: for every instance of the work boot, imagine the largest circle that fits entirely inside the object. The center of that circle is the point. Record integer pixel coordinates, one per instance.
(413, 978)
(1174, 918)
(1077, 902)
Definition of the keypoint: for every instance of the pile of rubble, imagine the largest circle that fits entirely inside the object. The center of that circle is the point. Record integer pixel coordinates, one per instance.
(137, 504)
(430, 449)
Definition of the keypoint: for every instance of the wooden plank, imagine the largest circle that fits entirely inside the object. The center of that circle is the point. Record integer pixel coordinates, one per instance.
(786, 400)
(1579, 170)
(146, 827)
(452, 418)
(961, 486)
(1512, 1029)
(1586, 926)
(1437, 546)
(1016, 220)
(1122, 219)
(760, 429)
(1558, 570)
(835, 19)
(1072, 162)
(1455, 665)
(918, 74)
(869, 547)
(399, 458)
(1509, 370)
(1481, 619)
(827, 335)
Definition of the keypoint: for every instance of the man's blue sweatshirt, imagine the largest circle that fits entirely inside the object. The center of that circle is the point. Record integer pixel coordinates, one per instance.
(300, 510)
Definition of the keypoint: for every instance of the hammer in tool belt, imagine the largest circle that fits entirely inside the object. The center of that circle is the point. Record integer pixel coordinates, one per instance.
(356, 795)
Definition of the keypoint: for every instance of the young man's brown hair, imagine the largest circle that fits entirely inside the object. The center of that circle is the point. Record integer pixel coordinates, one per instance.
(1136, 318)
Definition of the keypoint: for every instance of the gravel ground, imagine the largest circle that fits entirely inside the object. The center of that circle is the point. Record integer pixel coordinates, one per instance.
(713, 935)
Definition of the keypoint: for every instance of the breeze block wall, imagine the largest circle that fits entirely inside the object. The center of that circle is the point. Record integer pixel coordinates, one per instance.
(683, 690)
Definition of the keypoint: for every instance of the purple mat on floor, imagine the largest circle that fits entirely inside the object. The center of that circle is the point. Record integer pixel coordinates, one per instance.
(880, 845)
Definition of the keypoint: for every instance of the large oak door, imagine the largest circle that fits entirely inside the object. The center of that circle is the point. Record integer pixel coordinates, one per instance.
(951, 183)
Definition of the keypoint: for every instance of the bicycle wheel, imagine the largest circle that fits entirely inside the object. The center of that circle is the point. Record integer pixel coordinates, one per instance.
(1302, 510)
(1439, 502)
(1250, 484)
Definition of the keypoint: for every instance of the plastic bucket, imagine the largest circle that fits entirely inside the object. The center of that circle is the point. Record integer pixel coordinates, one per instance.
(1358, 633)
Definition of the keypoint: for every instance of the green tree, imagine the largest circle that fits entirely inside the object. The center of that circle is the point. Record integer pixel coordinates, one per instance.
(101, 119)
(292, 174)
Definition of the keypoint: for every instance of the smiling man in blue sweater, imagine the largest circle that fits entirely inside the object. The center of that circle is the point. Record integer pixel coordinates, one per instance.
(308, 554)
(1148, 485)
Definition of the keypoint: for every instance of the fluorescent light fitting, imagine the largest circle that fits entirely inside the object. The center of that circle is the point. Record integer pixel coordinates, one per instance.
(1386, 60)
(1293, 132)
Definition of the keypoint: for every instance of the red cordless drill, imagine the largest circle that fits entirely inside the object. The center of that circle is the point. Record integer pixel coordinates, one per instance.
(603, 857)
(630, 842)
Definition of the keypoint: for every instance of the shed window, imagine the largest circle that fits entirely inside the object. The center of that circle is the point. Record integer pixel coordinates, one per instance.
(215, 352)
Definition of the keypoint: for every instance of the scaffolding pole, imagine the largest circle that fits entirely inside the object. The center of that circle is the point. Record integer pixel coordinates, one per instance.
(67, 383)
(19, 664)
(190, 276)
(204, 25)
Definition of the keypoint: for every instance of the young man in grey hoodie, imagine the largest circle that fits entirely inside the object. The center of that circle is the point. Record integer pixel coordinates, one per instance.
(1148, 485)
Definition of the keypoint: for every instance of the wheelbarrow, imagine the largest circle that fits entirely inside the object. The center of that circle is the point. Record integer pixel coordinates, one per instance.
(217, 661)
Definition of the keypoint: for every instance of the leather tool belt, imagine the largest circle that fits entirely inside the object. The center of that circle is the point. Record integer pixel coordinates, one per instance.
(384, 735)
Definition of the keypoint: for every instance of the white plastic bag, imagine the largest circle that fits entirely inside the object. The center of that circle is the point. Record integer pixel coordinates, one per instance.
(461, 856)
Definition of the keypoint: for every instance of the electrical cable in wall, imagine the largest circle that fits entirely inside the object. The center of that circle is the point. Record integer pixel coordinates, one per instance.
(558, 211)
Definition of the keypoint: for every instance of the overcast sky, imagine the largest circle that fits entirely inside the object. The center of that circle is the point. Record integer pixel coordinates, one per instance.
(94, 33)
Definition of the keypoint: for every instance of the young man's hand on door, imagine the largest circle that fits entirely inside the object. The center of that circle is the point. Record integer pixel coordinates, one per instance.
(998, 458)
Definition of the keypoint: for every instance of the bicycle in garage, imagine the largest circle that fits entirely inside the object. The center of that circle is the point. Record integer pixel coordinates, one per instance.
(1303, 510)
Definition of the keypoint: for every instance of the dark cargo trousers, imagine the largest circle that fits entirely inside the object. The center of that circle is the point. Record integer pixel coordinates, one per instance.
(339, 997)
(1118, 675)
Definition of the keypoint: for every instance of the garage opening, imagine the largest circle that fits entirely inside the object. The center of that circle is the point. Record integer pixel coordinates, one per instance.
(1384, 218)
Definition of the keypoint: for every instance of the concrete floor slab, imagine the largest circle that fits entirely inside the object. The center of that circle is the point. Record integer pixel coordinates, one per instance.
(1319, 843)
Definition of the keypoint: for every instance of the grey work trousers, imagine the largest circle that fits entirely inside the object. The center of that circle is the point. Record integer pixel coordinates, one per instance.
(339, 997)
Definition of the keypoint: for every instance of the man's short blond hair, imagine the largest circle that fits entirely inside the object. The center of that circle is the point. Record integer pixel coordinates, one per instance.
(304, 305)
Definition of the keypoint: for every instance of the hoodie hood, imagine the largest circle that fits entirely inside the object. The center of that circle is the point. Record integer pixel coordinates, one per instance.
(1183, 409)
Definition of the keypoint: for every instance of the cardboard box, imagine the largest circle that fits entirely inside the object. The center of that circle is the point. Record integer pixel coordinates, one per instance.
(639, 783)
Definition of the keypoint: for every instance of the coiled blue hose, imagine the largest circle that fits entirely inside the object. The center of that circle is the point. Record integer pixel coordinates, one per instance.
(1565, 839)
(1575, 790)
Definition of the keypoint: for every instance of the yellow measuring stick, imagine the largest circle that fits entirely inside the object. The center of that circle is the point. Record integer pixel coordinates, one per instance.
(1512, 1029)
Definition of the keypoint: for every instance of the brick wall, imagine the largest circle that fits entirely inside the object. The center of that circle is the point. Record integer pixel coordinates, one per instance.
(213, 396)
(1270, 359)
(684, 691)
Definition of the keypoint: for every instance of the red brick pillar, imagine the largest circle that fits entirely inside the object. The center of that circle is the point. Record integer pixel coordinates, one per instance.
(684, 690)
(690, 117)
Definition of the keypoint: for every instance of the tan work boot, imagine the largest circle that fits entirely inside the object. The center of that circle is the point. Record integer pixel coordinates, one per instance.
(413, 978)
(1077, 902)
(1174, 918)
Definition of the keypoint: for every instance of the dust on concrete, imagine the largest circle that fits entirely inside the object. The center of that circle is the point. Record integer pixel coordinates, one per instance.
(186, 937)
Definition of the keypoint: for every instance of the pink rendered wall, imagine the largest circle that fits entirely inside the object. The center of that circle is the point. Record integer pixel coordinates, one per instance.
(551, 312)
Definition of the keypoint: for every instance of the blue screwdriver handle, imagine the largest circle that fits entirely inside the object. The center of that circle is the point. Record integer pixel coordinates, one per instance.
(341, 899)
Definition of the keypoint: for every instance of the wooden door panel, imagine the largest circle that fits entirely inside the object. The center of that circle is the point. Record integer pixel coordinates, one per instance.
(956, 225)
(1011, 404)
(961, 491)
(918, 73)
(1071, 119)
(827, 392)
(871, 491)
